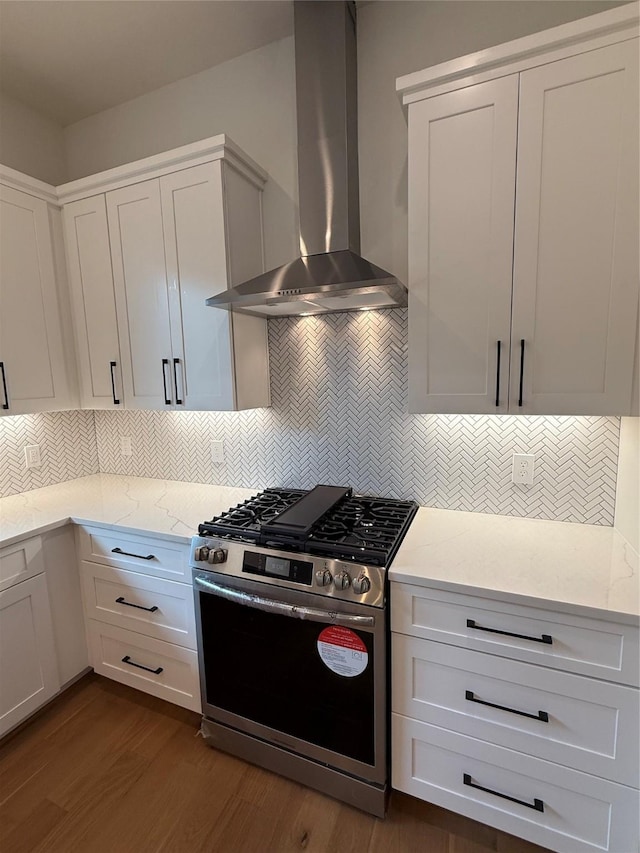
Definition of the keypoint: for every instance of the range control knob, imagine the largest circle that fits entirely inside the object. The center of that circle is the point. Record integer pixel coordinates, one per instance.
(323, 577)
(342, 580)
(217, 555)
(201, 552)
(361, 584)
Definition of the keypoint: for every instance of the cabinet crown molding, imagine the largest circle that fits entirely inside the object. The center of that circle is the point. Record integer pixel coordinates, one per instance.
(219, 147)
(26, 184)
(605, 28)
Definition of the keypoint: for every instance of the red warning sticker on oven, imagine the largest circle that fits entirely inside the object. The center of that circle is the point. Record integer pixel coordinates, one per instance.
(342, 651)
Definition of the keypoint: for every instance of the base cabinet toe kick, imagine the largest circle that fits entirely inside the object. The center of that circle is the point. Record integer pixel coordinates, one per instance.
(509, 731)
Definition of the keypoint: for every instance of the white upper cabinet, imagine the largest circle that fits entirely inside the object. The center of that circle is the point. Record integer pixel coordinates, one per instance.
(33, 365)
(93, 300)
(462, 161)
(575, 280)
(139, 273)
(540, 318)
(167, 233)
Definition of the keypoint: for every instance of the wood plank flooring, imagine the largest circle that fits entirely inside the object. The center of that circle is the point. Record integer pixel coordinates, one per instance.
(106, 769)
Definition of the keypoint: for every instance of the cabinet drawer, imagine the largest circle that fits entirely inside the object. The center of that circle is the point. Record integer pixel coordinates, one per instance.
(135, 660)
(573, 643)
(20, 561)
(152, 606)
(580, 722)
(158, 557)
(579, 812)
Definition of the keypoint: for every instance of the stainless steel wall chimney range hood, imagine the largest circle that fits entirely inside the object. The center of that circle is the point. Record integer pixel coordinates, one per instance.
(330, 276)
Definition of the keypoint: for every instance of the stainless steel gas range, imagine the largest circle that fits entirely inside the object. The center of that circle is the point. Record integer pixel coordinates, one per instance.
(291, 604)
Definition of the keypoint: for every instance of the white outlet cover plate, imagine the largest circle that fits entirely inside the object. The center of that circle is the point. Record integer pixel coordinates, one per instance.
(522, 468)
(217, 452)
(32, 456)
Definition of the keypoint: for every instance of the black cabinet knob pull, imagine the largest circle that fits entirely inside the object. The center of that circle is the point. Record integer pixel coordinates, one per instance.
(165, 363)
(139, 606)
(5, 404)
(543, 638)
(540, 715)
(130, 554)
(521, 372)
(112, 367)
(537, 804)
(126, 659)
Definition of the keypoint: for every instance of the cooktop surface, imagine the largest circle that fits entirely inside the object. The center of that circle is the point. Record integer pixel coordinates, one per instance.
(327, 520)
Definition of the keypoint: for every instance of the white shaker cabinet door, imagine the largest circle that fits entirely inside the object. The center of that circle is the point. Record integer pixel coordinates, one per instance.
(32, 364)
(462, 161)
(142, 304)
(196, 258)
(575, 290)
(93, 303)
(28, 667)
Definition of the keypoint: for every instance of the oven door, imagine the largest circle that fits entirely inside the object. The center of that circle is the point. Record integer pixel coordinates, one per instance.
(287, 667)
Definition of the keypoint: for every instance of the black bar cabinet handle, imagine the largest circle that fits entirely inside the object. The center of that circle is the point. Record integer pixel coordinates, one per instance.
(541, 715)
(127, 659)
(139, 606)
(129, 554)
(498, 348)
(521, 371)
(176, 362)
(537, 804)
(165, 363)
(5, 405)
(112, 366)
(544, 638)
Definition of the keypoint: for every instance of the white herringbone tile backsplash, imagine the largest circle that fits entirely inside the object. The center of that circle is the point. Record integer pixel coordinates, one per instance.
(339, 417)
(67, 449)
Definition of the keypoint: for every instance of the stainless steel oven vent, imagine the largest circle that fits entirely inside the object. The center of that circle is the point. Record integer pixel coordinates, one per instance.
(330, 275)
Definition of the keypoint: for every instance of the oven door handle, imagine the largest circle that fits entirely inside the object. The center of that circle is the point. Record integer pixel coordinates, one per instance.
(313, 614)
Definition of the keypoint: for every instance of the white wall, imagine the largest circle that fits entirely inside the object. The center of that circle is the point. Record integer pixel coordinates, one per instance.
(396, 38)
(30, 142)
(251, 98)
(627, 518)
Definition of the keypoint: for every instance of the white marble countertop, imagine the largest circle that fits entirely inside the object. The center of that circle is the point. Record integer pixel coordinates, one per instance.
(551, 564)
(571, 567)
(162, 507)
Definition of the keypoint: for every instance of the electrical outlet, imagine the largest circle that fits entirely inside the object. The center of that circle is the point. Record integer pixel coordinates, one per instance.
(217, 452)
(32, 456)
(522, 468)
(125, 445)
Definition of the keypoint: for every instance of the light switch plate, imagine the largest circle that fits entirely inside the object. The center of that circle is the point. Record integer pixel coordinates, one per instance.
(217, 452)
(125, 445)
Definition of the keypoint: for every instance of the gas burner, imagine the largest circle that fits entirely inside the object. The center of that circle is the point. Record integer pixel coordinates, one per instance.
(357, 528)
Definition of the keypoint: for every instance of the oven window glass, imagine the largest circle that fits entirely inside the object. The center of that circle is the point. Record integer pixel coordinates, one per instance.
(266, 667)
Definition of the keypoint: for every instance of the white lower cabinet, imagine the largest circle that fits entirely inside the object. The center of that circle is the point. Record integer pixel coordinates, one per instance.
(496, 714)
(28, 666)
(138, 603)
(547, 804)
(42, 636)
(162, 669)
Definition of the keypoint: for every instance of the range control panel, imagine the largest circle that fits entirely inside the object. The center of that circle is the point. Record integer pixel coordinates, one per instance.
(320, 575)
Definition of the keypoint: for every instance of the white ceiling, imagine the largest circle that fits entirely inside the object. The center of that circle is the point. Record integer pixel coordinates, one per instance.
(68, 59)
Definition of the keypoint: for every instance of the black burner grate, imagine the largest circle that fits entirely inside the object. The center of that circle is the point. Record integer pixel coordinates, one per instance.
(245, 520)
(360, 528)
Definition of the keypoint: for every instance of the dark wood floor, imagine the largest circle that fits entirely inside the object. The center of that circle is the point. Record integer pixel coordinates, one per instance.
(106, 768)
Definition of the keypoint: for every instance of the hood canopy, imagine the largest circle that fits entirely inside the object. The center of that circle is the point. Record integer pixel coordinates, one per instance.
(330, 275)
